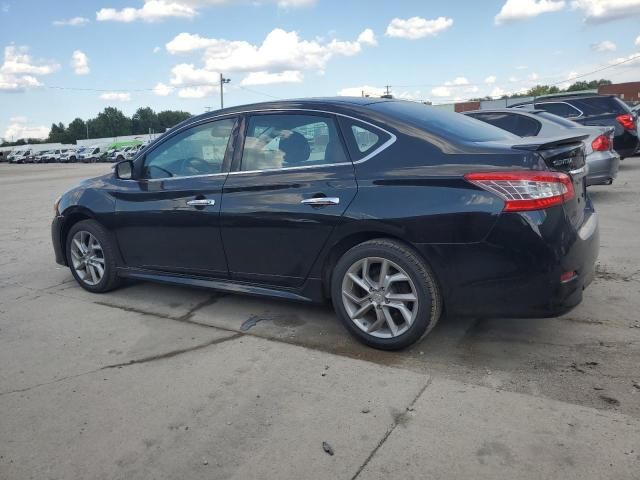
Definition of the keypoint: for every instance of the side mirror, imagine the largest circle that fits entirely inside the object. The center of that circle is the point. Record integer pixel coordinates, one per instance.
(124, 170)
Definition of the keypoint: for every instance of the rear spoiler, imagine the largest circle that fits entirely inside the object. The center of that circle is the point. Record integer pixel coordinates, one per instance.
(547, 143)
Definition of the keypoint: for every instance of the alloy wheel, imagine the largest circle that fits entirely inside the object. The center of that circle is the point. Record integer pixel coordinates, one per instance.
(379, 297)
(87, 257)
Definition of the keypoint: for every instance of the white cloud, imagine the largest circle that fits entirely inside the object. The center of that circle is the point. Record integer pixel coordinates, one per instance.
(357, 91)
(196, 92)
(266, 78)
(19, 71)
(367, 37)
(637, 42)
(116, 96)
(186, 74)
(282, 57)
(604, 46)
(188, 42)
(516, 10)
(80, 63)
(162, 90)
(151, 11)
(417, 27)
(572, 75)
(497, 92)
(441, 92)
(156, 10)
(71, 22)
(18, 128)
(534, 76)
(522, 67)
(513, 79)
(473, 89)
(157, 49)
(457, 81)
(599, 11)
(490, 80)
(629, 61)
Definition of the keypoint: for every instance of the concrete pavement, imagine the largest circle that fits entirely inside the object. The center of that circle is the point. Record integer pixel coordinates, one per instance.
(154, 381)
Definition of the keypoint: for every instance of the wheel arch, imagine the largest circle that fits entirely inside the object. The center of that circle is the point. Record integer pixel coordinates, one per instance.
(76, 214)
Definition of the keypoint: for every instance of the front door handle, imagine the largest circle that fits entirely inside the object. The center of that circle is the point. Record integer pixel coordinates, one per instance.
(321, 201)
(201, 202)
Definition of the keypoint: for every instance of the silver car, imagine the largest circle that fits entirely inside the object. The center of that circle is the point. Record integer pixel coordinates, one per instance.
(602, 159)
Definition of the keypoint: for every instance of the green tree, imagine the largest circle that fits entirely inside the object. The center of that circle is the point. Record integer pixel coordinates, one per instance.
(144, 121)
(540, 90)
(582, 85)
(169, 118)
(77, 129)
(58, 133)
(111, 122)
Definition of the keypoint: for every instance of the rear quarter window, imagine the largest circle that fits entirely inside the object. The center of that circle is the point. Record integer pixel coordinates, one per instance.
(600, 106)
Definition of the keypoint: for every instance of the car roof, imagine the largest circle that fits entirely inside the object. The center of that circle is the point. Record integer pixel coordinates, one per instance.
(531, 111)
(559, 98)
(303, 103)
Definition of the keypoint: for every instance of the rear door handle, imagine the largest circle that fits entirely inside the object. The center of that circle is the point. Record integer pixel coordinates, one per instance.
(321, 201)
(201, 202)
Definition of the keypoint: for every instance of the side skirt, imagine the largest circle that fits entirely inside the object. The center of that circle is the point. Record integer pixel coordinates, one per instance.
(215, 284)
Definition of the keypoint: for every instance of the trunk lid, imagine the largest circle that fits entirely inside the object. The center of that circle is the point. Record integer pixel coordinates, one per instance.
(567, 155)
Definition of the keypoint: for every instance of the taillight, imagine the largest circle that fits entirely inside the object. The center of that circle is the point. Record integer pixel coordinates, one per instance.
(627, 120)
(601, 143)
(525, 190)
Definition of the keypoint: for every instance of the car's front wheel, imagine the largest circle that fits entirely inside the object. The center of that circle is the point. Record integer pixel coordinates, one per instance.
(91, 257)
(385, 294)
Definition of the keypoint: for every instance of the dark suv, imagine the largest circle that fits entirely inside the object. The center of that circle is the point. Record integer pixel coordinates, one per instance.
(593, 109)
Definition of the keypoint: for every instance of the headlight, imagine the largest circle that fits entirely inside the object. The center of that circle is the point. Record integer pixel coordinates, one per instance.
(55, 206)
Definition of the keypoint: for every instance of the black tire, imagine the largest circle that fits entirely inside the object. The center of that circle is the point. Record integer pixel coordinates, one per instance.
(427, 289)
(110, 279)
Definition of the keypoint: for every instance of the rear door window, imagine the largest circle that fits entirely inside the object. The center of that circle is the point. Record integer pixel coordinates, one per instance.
(601, 106)
(559, 108)
(276, 141)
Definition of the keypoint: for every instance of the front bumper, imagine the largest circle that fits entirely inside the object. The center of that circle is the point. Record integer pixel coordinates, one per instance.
(56, 239)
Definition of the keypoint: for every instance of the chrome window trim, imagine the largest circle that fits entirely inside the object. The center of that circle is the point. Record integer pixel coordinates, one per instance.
(392, 139)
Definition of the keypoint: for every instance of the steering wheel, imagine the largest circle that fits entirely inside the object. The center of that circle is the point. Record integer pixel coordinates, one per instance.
(195, 165)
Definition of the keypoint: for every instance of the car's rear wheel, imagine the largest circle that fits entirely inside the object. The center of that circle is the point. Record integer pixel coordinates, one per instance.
(385, 294)
(91, 257)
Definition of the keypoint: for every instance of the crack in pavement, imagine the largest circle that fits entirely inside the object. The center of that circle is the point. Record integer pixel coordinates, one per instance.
(152, 358)
(172, 353)
(396, 421)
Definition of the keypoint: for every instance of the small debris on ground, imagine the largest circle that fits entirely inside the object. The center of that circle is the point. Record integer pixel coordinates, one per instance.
(410, 409)
(597, 387)
(636, 385)
(205, 462)
(327, 448)
(575, 366)
(365, 410)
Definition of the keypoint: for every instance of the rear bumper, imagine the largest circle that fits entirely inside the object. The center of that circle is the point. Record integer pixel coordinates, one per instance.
(626, 143)
(516, 271)
(603, 167)
(56, 240)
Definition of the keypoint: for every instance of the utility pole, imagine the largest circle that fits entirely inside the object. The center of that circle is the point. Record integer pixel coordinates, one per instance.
(222, 82)
(87, 124)
(388, 89)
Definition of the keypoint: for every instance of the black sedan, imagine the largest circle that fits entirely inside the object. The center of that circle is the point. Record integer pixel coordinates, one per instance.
(395, 211)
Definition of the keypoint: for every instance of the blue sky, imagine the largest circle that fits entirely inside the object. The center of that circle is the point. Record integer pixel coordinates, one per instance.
(167, 54)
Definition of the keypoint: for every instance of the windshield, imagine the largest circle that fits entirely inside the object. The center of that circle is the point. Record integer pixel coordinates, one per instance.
(450, 125)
